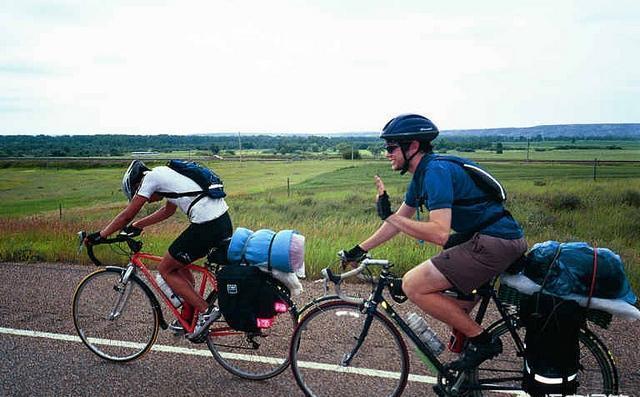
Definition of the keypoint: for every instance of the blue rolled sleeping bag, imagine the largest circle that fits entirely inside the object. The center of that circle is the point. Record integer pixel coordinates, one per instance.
(236, 246)
(266, 248)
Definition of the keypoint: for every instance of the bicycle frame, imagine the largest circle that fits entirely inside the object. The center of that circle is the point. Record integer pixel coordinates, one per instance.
(137, 263)
(377, 299)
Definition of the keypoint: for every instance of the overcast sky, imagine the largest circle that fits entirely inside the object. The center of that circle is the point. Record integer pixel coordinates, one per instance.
(286, 66)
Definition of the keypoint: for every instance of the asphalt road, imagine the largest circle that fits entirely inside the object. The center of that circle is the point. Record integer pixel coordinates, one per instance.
(41, 355)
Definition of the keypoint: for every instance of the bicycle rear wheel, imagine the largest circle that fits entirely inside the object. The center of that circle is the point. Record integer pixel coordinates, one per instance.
(116, 321)
(253, 355)
(328, 333)
(598, 373)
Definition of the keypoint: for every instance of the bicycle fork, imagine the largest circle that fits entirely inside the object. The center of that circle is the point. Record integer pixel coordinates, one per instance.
(346, 359)
(123, 289)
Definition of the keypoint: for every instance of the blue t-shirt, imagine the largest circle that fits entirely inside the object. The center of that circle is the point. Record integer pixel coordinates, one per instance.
(441, 182)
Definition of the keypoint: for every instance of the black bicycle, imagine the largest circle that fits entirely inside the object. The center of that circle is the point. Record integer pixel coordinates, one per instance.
(354, 347)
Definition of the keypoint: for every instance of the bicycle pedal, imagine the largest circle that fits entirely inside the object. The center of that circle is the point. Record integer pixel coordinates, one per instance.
(199, 339)
(176, 329)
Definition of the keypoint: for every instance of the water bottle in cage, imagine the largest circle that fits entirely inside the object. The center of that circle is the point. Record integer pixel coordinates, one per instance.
(175, 299)
(420, 327)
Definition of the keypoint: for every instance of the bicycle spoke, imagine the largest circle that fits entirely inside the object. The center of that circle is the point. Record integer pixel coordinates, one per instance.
(330, 333)
(597, 374)
(253, 356)
(116, 322)
(121, 298)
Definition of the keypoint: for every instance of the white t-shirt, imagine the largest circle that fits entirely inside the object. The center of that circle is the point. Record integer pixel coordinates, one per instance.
(164, 179)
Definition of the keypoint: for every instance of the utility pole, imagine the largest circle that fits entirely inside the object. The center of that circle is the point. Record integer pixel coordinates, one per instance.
(528, 149)
(240, 146)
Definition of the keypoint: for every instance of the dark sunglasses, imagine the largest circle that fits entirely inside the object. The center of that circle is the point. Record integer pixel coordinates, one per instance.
(390, 148)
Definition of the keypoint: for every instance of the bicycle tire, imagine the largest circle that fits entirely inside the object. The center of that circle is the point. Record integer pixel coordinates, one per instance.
(237, 352)
(597, 375)
(132, 332)
(328, 332)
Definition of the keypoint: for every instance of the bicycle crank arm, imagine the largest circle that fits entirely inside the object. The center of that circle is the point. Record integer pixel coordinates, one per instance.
(455, 389)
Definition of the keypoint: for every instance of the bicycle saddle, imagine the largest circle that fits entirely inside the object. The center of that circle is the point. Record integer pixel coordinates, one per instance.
(482, 290)
(218, 254)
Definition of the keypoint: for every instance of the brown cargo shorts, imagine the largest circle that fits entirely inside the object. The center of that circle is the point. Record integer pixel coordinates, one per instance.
(471, 264)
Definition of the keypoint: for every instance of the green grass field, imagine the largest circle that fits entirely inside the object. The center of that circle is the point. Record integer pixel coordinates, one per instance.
(577, 150)
(564, 155)
(331, 202)
(29, 191)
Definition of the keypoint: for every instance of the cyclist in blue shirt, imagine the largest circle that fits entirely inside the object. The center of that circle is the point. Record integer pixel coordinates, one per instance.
(487, 240)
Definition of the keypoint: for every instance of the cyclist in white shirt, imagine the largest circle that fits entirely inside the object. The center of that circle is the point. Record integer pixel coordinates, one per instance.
(210, 226)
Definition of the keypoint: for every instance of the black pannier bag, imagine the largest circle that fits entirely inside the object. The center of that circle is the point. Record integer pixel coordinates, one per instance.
(552, 352)
(245, 293)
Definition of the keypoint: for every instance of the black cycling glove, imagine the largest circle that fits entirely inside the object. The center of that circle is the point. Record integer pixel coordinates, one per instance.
(131, 231)
(383, 206)
(95, 238)
(355, 254)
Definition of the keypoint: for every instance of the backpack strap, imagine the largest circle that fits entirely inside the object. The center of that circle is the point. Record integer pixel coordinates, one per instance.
(174, 195)
(459, 238)
(243, 259)
(551, 264)
(200, 197)
(269, 252)
(493, 219)
(472, 201)
(593, 275)
(206, 192)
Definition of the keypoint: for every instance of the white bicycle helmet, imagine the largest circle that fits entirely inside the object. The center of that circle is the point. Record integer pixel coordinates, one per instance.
(132, 178)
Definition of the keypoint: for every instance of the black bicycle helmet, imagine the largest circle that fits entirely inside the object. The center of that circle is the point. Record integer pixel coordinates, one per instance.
(409, 127)
(132, 177)
(406, 128)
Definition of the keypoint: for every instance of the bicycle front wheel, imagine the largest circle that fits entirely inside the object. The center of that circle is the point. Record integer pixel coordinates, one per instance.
(329, 334)
(116, 321)
(597, 372)
(253, 355)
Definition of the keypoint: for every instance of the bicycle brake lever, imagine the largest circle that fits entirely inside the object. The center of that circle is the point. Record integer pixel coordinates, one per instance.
(81, 236)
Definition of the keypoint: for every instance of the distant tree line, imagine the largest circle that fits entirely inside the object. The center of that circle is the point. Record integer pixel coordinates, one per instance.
(123, 145)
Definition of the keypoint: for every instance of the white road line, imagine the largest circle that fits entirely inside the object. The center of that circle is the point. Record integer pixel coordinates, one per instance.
(203, 352)
(230, 356)
(365, 371)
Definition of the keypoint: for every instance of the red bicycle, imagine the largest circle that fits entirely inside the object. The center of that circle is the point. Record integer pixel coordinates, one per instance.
(118, 315)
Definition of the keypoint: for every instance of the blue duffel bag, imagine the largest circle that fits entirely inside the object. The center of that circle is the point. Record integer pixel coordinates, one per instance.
(565, 268)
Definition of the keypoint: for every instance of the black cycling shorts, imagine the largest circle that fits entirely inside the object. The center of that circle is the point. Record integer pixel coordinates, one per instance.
(196, 241)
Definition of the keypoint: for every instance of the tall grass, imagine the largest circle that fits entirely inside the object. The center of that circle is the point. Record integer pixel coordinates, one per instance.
(332, 204)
